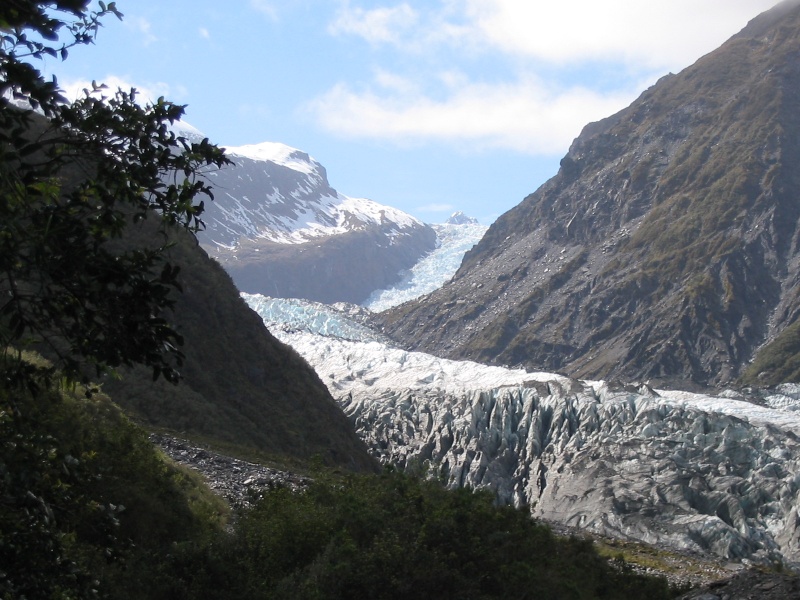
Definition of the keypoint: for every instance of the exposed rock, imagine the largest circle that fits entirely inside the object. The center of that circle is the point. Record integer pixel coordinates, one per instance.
(345, 267)
(238, 481)
(666, 247)
(280, 229)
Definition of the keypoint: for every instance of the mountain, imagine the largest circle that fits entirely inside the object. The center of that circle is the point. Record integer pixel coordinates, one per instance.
(279, 228)
(242, 389)
(666, 246)
(710, 474)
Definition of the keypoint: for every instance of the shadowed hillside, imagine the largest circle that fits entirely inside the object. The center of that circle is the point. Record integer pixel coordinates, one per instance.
(240, 386)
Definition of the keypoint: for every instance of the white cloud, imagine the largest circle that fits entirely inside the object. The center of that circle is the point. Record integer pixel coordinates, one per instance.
(265, 7)
(525, 115)
(143, 27)
(410, 29)
(380, 25)
(204, 33)
(658, 34)
(148, 92)
(648, 35)
(442, 93)
(396, 83)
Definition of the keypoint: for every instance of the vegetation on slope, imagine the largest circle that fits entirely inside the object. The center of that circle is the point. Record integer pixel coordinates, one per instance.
(393, 536)
(91, 509)
(683, 210)
(84, 493)
(778, 362)
(241, 388)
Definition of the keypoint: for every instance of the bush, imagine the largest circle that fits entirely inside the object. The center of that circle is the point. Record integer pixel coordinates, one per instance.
(83, 490)
(393, 536)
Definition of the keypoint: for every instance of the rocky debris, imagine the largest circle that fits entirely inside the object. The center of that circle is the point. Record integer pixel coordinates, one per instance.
(238, 481)
(751, 584)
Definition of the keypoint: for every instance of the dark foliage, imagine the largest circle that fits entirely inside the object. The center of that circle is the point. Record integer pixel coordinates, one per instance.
(391, 537)
(82, 493)
(69, 186)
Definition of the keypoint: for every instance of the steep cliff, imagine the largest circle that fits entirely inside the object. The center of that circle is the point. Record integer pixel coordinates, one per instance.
(242, 389)
(666, 247)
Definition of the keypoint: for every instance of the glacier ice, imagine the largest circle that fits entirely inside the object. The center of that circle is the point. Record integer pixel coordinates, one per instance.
(287, 316)
(433, 271)
(710, 473)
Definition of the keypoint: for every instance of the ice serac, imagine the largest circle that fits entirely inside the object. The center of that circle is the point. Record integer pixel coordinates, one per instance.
(666, 248)
(607, 459)
(279, 228)
(614, 460)
(713, 474)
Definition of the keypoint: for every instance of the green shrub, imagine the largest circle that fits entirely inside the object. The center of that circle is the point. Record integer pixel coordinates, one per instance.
(83, 491)
(394, 536)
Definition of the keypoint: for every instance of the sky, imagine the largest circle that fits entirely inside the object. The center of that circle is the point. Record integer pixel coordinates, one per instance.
(429, 106)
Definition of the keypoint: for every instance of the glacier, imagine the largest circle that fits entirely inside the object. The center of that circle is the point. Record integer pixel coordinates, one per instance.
(434, 270)
(711, 473)
(717, 474)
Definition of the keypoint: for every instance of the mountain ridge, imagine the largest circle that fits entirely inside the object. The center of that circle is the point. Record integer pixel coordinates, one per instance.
(241, 388)
(279, 228)
(664, 249)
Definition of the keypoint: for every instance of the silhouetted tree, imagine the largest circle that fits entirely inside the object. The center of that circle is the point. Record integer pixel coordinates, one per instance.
(73, 178)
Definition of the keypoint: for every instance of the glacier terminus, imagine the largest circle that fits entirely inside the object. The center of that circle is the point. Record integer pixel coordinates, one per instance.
(716, 473)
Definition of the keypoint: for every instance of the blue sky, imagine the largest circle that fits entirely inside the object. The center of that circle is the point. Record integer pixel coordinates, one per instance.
(429, 106)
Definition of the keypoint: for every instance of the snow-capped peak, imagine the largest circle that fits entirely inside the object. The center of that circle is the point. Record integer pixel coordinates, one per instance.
(459, 218)
(277, 153)
(187, 130)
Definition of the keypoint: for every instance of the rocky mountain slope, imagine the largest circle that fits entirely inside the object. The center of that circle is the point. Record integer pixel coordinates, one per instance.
(279, 228)
(666, 247)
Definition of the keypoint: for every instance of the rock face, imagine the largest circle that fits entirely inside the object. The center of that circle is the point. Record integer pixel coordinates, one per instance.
(280, 229)
(666, 247)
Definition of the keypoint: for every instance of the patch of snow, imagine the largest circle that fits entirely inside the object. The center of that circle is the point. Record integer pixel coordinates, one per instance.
(277, 153)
